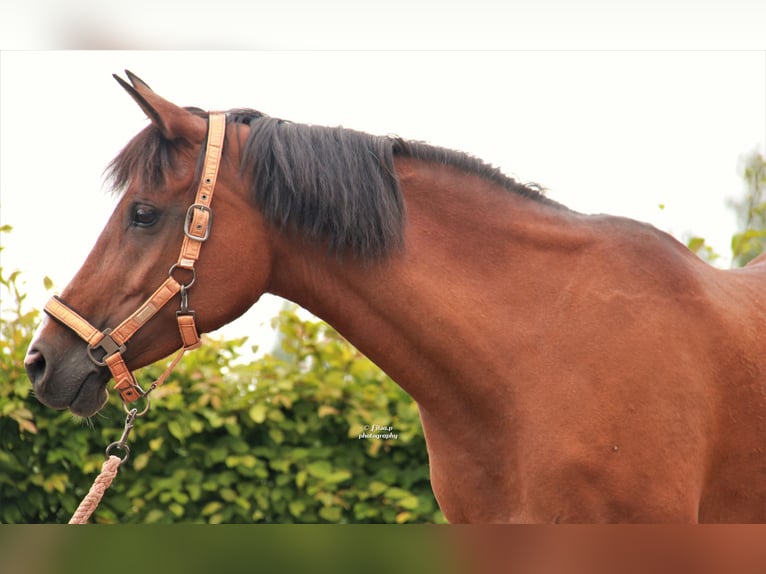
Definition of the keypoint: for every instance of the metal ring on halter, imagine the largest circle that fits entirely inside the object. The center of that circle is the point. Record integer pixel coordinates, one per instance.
(193, 272)
(143, 396)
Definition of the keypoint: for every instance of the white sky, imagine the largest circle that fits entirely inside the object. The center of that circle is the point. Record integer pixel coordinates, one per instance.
(609, 132)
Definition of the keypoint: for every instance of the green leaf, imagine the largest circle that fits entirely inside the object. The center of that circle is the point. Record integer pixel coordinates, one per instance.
(141, 460)
(319, 469)
(695, 244)
(211, 508)
(403, 517)
(339, 476)
(330, 513)
(176, 509)
(409, 502)
(297, 507)
(377, 487)
(248, 461)
(174, 427)
(154, 515)
(194, 490)
(228, 494)
(258, 413)
(396, 493)
(277, 435)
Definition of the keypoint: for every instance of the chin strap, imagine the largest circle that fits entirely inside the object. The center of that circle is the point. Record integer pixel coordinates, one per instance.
(105, 348)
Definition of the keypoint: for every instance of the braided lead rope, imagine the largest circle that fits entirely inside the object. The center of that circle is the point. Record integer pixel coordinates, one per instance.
(108, 471)
(103, 480)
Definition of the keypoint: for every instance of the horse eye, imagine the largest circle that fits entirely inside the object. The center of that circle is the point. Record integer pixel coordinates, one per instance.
(144, 216)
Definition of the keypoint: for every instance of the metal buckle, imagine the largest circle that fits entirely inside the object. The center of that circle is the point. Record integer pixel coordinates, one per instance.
(190, 217)
(109, 346)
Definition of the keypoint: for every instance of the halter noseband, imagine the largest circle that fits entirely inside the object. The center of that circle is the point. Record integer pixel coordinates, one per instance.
(112, 342)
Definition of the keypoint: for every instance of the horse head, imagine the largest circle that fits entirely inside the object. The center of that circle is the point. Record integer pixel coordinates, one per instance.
(156, 175)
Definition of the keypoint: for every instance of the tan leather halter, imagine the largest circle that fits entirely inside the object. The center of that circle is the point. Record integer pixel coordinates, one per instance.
(199, 218)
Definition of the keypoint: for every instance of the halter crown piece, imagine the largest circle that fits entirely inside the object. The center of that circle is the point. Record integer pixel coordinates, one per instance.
(111, 342)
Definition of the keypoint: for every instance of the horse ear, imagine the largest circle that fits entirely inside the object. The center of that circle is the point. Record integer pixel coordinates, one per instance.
(173, 121)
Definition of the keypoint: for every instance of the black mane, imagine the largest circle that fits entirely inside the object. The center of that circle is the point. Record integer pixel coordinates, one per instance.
(329, 184)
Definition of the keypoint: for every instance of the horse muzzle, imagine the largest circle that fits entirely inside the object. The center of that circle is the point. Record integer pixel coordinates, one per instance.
(68, 381)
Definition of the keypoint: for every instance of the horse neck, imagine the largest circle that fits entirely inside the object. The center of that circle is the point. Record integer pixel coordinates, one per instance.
(469, 244)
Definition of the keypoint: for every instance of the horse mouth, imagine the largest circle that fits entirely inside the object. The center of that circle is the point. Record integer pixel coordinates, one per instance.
(90, 397)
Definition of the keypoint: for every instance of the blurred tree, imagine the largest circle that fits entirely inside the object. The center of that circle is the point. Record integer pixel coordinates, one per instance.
(751, 211)
(750, 241)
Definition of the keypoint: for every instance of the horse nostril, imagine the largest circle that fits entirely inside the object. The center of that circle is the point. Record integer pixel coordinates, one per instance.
(35, 365)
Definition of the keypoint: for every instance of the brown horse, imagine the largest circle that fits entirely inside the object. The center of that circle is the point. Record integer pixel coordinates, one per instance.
(567, 367)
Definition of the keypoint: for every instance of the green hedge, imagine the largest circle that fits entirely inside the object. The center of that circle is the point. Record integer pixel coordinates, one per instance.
(275, 441)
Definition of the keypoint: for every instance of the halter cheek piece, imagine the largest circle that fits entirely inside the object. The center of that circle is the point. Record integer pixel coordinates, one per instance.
(110, 343)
